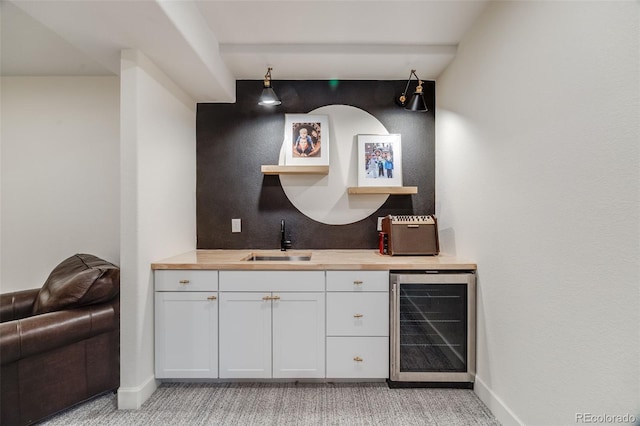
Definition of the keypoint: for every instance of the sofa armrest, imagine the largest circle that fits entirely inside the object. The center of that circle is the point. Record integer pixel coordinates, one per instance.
(29, 336)
(18, 304)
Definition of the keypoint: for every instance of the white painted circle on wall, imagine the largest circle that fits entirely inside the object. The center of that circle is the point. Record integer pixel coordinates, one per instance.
(325, 198)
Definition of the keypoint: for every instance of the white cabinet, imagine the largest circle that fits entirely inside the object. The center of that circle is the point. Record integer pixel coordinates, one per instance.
(245, 335)
(186, 324)
(358, 357)
(358, 281)
(358, 314)
(186, 280)
(267, 330)
(271, 324)
(289, 281)
(298, 335)
(357, 324)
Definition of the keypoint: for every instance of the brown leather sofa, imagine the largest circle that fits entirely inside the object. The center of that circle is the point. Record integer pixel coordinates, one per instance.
(60, 344)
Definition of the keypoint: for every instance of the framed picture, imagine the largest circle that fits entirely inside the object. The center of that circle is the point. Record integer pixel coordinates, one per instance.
(306, 140)
(379, 160)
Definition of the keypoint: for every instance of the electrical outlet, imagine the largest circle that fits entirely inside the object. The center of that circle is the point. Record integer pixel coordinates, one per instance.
(380, 223)
(236, 225)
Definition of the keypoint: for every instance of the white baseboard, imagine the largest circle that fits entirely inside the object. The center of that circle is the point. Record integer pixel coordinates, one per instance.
(133, 398)
(505, 416)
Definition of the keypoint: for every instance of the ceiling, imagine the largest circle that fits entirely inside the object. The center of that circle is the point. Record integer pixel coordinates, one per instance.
(205, 45)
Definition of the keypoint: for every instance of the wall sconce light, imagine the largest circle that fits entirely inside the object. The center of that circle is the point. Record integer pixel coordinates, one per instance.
(417, 100)
(268, 97)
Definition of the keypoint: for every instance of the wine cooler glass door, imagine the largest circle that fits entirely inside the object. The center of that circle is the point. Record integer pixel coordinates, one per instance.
(432, 328)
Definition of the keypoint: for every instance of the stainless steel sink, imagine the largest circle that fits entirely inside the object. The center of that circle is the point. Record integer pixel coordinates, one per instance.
(276, 257)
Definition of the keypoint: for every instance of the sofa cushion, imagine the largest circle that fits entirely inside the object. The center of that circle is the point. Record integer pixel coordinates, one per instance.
(82, 279)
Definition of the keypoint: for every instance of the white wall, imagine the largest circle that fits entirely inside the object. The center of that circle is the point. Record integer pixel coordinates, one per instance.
(538, 180)
(60, 192)
(158, 161)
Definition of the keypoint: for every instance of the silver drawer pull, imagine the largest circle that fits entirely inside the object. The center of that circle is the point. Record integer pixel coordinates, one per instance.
(358, 315)
(357, 282)
(184, 281)
(358, 359)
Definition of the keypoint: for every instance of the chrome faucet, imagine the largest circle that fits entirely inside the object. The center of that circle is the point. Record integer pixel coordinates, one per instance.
(284, 243)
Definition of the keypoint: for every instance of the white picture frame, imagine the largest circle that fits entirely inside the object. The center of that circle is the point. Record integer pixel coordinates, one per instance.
(306, 140)
(379, 160)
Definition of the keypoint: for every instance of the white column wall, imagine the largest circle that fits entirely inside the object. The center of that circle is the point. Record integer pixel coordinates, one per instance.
(538, 180)
(158, 179)
(60, 191)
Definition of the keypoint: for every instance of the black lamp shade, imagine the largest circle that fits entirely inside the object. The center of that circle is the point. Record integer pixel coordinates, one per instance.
(416, 103)
(269, 97)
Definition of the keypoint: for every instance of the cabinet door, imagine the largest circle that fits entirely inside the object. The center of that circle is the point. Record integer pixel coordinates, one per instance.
(298, 335)
(186, 335)
(245, 335)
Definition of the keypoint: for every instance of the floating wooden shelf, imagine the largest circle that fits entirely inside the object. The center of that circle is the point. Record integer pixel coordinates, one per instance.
(383, 190)
(299, 170)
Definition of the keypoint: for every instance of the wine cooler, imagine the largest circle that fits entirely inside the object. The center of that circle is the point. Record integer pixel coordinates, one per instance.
(433, 328)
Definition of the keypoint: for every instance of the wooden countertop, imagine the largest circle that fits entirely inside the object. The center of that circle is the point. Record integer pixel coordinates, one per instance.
(320, 260)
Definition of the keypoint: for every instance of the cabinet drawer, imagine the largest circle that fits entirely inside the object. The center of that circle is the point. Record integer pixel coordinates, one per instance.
(358, 357)
(272, 281)
(186, 280)
(358, 314)
(357, 281)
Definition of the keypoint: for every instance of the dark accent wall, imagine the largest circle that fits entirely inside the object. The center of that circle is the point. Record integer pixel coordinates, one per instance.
(234, 140)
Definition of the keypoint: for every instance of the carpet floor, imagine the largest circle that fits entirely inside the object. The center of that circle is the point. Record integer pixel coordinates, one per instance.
(286, 404)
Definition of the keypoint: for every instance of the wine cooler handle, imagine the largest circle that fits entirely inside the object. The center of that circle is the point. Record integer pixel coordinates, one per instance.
(394, 329)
